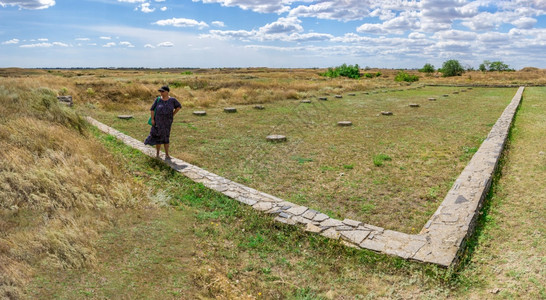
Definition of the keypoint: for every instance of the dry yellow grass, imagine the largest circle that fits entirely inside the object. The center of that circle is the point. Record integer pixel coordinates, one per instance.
(58, 187)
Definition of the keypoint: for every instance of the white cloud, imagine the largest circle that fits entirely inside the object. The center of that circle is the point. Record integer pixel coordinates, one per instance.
(455, 35)
(38, 45)
(525, 22)
(145, 8)
(11, 42)
(261, 6)
(42, 40)
(284, 29)
(109, 45)
(132, 1)
(28, 4)
(44, 45)
(218, 24)
(483, 21)
(164, 8)
(165, 44)
(126, 44)
(149, 46)
(182, 22)
(82, 39)
(334, 9)
(406, 21)
(105, 38)
(282, 25)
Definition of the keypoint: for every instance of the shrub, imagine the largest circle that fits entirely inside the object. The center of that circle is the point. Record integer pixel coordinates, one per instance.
(403, 76)
(345, 70)
(452, 67)
(372, 75)
(427, 68)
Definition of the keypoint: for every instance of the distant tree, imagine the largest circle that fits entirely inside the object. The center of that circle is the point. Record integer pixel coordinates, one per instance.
(492, 66)
(427, 68)
(499, 66)
(452, 67)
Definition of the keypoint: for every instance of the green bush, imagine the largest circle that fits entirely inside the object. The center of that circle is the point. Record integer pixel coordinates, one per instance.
(427, 68)
(345, 70)
(372, 75)
(403, 76)
(452, 67)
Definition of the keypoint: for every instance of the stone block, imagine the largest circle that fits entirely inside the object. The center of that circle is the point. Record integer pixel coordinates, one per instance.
(320, 217)
(355, 236)
(297, 210)
(331, 233)
(352, 223)
(373, 245)
(67, 100)
(310, 214)
(312, 228)
(331, 223)
(285, 220)
(263, 206)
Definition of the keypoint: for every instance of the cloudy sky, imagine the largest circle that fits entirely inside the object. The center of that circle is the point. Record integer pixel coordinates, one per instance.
(270, 33)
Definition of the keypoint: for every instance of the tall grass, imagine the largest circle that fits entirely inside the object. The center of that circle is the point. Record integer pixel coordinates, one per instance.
(58, 187)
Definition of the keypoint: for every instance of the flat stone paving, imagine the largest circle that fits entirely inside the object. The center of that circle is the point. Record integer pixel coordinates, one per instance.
(442, 239)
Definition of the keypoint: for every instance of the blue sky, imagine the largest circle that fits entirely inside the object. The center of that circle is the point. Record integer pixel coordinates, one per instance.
(270, 33)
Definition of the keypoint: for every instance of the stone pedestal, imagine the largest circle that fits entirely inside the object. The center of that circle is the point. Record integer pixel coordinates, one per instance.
(65, 100)
(276, 138)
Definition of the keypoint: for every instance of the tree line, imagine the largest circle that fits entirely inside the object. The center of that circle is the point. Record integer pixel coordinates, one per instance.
(449, 68)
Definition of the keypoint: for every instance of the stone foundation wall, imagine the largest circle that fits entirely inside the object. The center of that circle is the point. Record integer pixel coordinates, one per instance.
(441, 240)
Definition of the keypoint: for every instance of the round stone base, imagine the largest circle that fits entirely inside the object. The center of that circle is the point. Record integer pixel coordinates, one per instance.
(200, 113)
(276, 138)
(125, 117)
(344, 123)
(230, 110)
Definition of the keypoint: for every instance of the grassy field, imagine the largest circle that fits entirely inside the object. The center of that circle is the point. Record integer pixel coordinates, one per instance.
(83, 216)
(390, 171)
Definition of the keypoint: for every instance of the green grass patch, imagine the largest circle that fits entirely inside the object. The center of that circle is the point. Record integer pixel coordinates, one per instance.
(379, 159)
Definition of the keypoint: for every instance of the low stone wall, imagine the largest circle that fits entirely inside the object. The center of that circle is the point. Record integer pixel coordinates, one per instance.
(439, 242)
